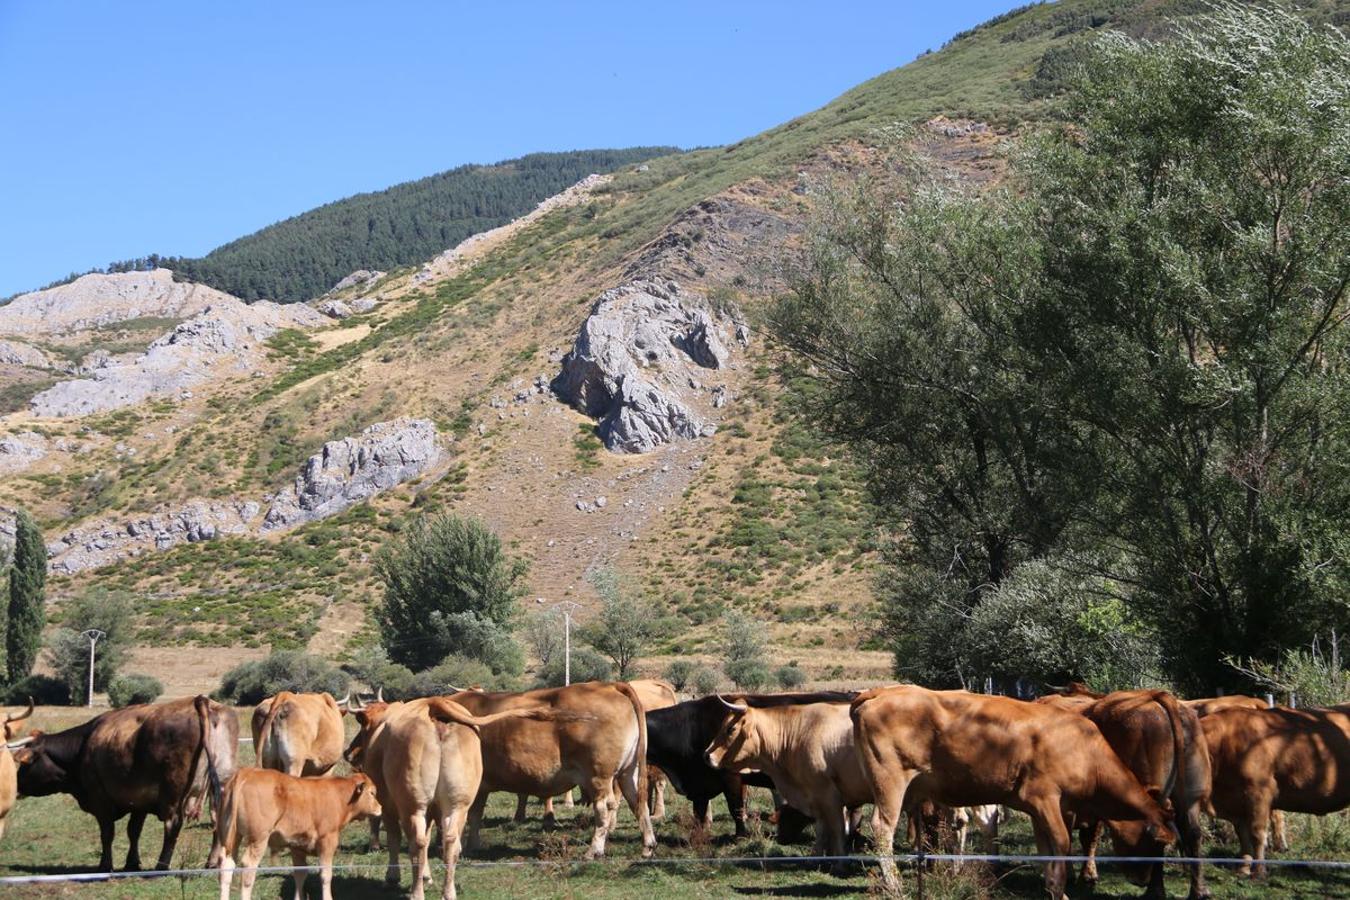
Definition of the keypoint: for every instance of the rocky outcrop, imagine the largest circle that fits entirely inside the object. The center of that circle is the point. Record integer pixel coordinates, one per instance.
(335, 309)
(19, 451)
(359, 278)
(350, 470)
(226, 337)
(638, 361)
(17, 353)
(105, 542)
(91, 301)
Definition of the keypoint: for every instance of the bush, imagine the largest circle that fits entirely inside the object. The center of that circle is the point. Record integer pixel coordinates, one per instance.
(44, 689)
(705, 681)
(449, 588)
(587, 665)
(789, 677)
(126, 690)
(457, 673)
(748, 674)
(743, 652)
(679, 673)
(285, 670)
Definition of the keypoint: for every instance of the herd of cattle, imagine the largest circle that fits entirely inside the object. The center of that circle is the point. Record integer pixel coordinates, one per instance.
(1141, 765)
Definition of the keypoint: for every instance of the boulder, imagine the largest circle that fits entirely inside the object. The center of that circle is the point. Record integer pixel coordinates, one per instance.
(19, 451)
(359, 277)
(107, 541)
(634, 362)
(350, 470)
(335, 309)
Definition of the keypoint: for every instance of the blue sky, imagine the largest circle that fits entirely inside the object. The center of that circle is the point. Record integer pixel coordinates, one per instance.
(136, 127)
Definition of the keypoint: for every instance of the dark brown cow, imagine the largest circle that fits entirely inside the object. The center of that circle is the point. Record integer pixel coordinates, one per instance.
(1161, 742)
(961, 749)
(143, 759)
(1264, 760)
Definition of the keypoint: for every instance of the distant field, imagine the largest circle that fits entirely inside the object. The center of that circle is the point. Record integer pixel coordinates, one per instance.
(49, 835)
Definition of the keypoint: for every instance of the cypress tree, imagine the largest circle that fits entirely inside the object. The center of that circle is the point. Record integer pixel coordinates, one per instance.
(27, 598)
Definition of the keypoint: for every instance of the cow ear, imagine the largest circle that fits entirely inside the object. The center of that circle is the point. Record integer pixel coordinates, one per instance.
(23, 755)
(359, 790)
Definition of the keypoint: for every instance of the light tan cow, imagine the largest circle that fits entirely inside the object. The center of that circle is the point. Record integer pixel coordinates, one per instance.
(655, 694)
(603, 744)
(299, 734)
(961, 749)
(426, 759)
(262, 809)
(9, 772)
(1266, 760)
(807, 749)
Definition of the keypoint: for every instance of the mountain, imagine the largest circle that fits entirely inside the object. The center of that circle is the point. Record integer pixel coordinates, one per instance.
(586, 379)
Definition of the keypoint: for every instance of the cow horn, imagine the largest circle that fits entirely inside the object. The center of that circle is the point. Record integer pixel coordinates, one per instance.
(739, 707)
(346, 698)
(456, 690)
(354, 705)
(20, 743)
(10, 717)
(379, 694)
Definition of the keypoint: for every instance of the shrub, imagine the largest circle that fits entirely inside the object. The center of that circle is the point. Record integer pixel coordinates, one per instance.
(587, 665)
(126, 690)
(705, 681)
(679, 673)
(44, 689)
(285, 670)
(748, 674)
(627, 624)
(68, 652)
(789, 676)
(743, 652)
(457, 673)
(449, 588)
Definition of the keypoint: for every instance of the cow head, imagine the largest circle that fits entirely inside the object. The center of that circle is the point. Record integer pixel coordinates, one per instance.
(369, 718)
(42, 772)
(363, 801)
(13, 728)
(736, 742)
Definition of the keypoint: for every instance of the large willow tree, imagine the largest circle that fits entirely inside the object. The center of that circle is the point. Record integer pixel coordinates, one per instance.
(1127, 364)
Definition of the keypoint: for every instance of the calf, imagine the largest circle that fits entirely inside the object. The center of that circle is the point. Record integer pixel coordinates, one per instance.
(262, 809)
(807, 749)
(962, 749)
(1265, 760)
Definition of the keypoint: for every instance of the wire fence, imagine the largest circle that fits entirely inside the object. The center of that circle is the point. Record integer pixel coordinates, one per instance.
(913, 859)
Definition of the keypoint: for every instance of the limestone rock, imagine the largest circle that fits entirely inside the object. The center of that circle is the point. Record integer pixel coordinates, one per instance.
(634, 361)
(107, 541)
(363, 304)
(19, 451)
(94, 300)
(335, 309)
(354, 468)
(17, 353)
(356, 279)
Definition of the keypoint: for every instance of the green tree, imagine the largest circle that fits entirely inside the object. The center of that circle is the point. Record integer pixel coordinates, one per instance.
(68, 650)
(1132, 357)
(449, 588)
(627, 624)
(27, 612)
(743, 652)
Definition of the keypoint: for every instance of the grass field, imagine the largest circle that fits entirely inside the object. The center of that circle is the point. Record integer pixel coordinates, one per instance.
(49, 835)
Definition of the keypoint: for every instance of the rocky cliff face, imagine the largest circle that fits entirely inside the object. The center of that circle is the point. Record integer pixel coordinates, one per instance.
(350, 470)
(91, 301)
(639, 362)
(104, 542)
(226, 337)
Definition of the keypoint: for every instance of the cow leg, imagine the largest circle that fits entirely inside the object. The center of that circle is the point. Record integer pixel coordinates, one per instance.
(249, 858)
(374, 845)
(656, 792)
(521, 800)
(135, 823)
(452, 827)
(1259, 821)
(105, 835)
(886, 812)
(550, 820)
(1089, 835)
(600, 791)
(415, 826)
(1052, 839)
(393, 837)
(1279, 838)
(474, 841)
(629, 784)
(226, 875)
(298, 875)
(737, 796)
(1192, 834)
(172, 826)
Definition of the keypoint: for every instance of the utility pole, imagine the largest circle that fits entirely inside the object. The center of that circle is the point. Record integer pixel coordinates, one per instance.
(567, 607)
(93, 635)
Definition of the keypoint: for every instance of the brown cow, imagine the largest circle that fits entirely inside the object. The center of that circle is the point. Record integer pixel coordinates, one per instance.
(808, 751)
(1278, 835)
(263, 809)
(1161, 742)
(9, 776)
(961, 749)
(299, 734)
(426, 759)
(138, 760)
(1271, 759)
(605, 744)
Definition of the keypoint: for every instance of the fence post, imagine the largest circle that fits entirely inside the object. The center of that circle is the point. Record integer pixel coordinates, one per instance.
(1270, 700)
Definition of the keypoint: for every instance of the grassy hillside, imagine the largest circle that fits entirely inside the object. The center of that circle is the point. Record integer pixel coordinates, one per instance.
(762, 517)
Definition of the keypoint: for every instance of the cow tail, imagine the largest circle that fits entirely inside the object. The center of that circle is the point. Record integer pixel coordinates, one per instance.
(1173, 710)
(265, 733)
(627, 690)
(203, 708)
